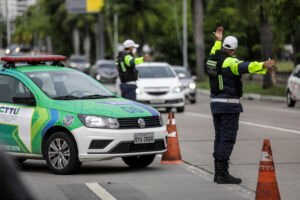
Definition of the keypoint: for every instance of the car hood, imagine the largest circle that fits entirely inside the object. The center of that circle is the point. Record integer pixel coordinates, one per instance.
(111, 107)
(158, 82)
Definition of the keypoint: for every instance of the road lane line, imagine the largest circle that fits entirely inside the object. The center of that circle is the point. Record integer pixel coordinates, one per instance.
(249, 123)
(100, 191)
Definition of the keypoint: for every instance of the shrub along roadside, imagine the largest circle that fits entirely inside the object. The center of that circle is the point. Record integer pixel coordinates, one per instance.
(253, 87)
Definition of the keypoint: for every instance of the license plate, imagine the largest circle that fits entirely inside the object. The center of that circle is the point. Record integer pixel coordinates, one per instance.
(142, 138)
(157, 101)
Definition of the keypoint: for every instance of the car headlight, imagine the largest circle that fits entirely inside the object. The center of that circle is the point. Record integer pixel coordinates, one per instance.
(192, 86)
(177, 89)
(99, 122)
(72, 65)
(87, 65)
(138, 91)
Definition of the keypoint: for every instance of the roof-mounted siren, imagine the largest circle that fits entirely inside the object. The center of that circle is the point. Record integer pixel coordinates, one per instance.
(54, 59)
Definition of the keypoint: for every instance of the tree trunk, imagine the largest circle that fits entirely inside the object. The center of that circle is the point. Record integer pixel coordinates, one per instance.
(87, 46)
(76, 41)
(296, 46)
(199, 37)
(266, 39)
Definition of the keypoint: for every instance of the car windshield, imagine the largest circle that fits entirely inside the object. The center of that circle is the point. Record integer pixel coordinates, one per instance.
(68, 85)
(156, 72)
(78, 60)
(182, 73)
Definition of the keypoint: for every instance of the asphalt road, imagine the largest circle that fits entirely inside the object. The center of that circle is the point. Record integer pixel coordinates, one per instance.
(193, 179)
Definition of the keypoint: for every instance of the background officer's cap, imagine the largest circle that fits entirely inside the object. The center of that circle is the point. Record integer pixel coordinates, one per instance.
(130, 43)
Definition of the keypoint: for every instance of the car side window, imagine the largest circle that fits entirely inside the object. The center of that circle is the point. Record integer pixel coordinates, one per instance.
(11, 87)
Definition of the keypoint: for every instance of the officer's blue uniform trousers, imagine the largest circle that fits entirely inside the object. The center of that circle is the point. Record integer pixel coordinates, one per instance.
(128, 91)
(226, 123)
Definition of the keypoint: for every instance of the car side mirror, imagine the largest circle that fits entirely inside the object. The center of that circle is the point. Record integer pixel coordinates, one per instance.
(29, 101)
(194, 78)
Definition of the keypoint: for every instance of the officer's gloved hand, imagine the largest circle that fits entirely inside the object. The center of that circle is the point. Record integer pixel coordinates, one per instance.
(269, 64)
(219, 33)
(146, 57)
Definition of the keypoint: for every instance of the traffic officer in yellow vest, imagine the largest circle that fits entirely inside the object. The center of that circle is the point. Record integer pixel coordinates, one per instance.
(127, 72)
(225, 77)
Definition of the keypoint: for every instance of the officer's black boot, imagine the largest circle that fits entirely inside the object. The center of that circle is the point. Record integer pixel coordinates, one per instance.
(216, 172)
(222, 175)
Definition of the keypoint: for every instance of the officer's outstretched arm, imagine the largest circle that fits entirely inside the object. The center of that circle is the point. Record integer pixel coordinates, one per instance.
(131, 61)
(239, 67)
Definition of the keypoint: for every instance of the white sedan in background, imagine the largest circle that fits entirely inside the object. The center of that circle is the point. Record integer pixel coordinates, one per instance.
(159, 86)
(293, 87)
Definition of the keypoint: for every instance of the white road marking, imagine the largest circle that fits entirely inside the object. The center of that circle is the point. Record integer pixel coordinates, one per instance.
(100, 191)
(250, 124)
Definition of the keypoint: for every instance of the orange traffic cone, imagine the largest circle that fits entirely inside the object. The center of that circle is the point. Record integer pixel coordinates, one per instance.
(172, 155)
(267, 187)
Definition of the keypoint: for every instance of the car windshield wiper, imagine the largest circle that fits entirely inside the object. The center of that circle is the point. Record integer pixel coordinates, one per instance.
(66, 97)
(97, 96)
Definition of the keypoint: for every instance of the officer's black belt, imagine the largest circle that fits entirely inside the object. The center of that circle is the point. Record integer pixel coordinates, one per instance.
(224, 100)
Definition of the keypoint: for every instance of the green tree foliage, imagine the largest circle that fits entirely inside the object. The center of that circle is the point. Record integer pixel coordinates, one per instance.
(159, 24)
(286, 19)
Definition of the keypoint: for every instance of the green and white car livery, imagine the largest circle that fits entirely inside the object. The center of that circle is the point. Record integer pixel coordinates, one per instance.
(65, 117)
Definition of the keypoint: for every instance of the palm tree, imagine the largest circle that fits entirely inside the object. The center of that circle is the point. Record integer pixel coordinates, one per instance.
(266, 35)
(137, 17)
(197, 6)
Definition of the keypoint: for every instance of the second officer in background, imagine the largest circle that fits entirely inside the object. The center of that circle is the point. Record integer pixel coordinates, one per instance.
(127, 72)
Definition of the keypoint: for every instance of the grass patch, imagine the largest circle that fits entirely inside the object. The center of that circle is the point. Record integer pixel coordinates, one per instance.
(284, 66)
(252, 87)
(276, 90)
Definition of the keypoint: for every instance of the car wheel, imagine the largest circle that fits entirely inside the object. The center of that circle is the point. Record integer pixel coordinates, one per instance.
(139, 161)
(290, 102)
(20, 160)
(193, 101)
(61, 153)
(180, 109)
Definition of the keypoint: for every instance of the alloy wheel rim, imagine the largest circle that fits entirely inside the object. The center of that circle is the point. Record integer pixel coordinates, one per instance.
(59, 153)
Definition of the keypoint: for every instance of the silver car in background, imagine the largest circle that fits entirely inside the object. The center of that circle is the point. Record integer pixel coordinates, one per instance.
(79, 62)
(104, 71)
(293, 87)
(188, 83)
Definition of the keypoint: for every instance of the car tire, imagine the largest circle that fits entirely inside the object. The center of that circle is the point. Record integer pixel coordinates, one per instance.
(61, 153)
(139, 161)
(290, 102)
(20, 161)
(193, 101)
(180, 109)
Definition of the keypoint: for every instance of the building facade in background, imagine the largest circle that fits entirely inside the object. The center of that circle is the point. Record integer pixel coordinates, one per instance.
(15, 8)
(9, 10)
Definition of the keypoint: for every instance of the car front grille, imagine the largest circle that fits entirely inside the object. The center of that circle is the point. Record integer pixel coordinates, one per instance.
(157, 93)
(174, 101)
(130, 147)
(131, 123)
